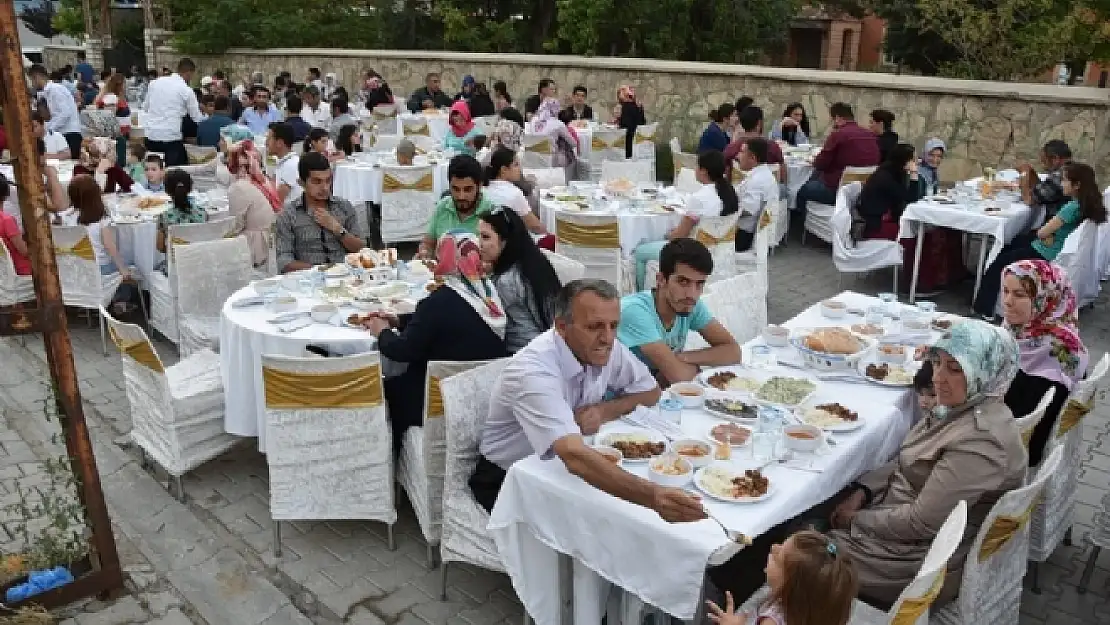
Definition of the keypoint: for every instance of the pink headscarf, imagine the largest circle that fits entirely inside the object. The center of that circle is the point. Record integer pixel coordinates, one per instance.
(244, 162)
(459, 263)
(466, 125)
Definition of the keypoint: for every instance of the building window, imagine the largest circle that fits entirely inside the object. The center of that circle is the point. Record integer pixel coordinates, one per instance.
(846, 55)
(885, 59)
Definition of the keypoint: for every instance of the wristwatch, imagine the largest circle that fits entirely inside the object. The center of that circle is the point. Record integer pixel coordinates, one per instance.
(342, 233)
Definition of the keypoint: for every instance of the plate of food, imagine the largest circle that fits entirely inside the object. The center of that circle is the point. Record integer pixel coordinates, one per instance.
(732, 434)
(619, 186)
(150, 204)
(726, 379)
(868, 329)
(830, 348)
(637, 445)
(727, 483)
(731, 409)
(942, 324)
(887, 373)
(830, 416)
(785, 391)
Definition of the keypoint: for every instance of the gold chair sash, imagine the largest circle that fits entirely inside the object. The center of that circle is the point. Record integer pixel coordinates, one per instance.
(82, 249)
(1072, 415)
(288, 390)
(604, 236)
(854, 177)
(200, 159)
(139, 351)
(912, 609)
(380, 116)
(417, 130)
(435, 399)
(392, 184)
(598, 143)
(642, 138)
(1001, 531)
(764, 219)
(738, 175)
(708, 240)
(541, 147)
(178, 241)
(1026, 435)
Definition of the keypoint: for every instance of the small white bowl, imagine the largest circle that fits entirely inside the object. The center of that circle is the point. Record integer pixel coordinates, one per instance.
(322, 313)
(805, 438)
(291, 282)
(611, 453)
(673, 481)
(265, 287)
(776, 336)
(695, 460)
(691, 395)
(834, 309)
(283, 304)
(367, 305)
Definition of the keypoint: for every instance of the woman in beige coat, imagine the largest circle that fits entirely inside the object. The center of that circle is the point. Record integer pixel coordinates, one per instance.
(252, 200)
(968, 448)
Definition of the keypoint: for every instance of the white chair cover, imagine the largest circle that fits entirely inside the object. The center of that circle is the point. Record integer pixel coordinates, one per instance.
(79, 273)
(861, 256)
(1104, 241)
(548, 177)
(386, 142)
(424, 144)
(486, 123)
(1080, 259)
(685, 179)
(423, 457)
(755, 259)
(819, 216)
(718, 235)
(408, 202)
(567, 269)
(636, 171)
(330, 454)
(594, 241)
(643, 145)
(539, 151)
(384, 118)
(216, 270)
(177, 412)
(675, 145)
(415, 126)
(740, 304)
(13, 288)
(164, 313)
(203, 173)
(1027, 423)
(990, 591)
(466, 403)
(607, 144)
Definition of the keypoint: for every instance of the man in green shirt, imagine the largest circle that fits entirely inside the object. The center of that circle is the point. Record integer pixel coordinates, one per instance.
(459, 210)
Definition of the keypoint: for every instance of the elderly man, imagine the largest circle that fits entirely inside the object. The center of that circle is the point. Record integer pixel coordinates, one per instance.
(554, 391)
(317, 228)
(655, 323)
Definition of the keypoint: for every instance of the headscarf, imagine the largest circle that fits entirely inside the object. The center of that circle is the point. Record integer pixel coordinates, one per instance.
(927, 171)
(1049, 342)
(546, 118)
(460, 264)
(988, 356)
(244, 162)
(508, 133)
(625, 93)
(234, 133)
(467, 81)
(466, 125)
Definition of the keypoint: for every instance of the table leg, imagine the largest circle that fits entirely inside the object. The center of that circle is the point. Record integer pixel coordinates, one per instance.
(982, 261)
(920, 228)
(566, 589)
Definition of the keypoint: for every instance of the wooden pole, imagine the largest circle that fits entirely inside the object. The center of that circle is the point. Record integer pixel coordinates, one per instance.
(32, 202)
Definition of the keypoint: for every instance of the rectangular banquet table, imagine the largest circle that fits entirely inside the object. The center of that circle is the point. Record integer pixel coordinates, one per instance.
(543, 510)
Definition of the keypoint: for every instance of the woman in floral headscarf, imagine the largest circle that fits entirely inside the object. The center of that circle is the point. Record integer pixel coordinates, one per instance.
(463, 319)
(565, 142)
(1039, 309)
(968, 448)
(628, 114)
(252, 199)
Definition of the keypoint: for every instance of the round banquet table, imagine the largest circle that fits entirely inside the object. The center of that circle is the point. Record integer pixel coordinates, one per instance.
(635, 227)
(246, 334)
(798, 171)
(359, 182)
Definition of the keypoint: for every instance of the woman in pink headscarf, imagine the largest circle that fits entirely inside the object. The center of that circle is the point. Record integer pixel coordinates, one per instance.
(628, 114)
(252, 199)
(460, 136)
(564, 140)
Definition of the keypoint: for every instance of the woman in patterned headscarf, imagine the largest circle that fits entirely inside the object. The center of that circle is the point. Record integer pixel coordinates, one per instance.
(1039, 309)
(463, 319)
(968, 448)
(252, 199)
(564, 141)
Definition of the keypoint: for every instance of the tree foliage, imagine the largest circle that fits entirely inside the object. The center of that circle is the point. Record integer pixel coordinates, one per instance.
(39, 18)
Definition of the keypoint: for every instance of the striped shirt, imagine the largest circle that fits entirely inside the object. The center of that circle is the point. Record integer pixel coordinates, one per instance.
(299, 237)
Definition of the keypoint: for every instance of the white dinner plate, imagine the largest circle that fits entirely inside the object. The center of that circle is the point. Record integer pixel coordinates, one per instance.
(608, 438)
(842, 426)
(709, 435)
(908, 367)
(735, 473)
(731, 417)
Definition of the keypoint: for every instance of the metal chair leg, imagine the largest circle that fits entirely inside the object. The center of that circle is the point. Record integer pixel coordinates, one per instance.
(277, 539)
(142, 305)
(442, 579)
(389, 534)
(103, 334)
(179, 488)
(144, 460)
(431, 555)
(895, 291)
(1034, 573)
(1088, 570)
(1067, 538)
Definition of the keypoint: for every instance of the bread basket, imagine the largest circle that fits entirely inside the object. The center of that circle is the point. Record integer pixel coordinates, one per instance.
(823, 361)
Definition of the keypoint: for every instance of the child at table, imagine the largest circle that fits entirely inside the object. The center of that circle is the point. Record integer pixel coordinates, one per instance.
(923, 387)
(808, 583)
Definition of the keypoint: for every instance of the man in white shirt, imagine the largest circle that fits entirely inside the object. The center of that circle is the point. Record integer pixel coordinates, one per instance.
(279, 144)
(169, 99)
(56, 144)
(554, 391)
(758, 188)
(315, 111)
(62, 116)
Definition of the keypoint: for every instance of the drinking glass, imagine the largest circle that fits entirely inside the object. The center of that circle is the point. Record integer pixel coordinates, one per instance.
(927, 308)
(761, 356)
(305, 284)
(671, 410)
(874, 316)
(763, 446)
(890, 303)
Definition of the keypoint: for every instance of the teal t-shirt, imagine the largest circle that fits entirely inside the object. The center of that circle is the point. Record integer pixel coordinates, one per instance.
(1069, 214)
(641, 325)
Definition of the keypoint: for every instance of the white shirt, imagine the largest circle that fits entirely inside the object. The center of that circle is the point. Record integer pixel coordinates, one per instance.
(96, 237)
(168, 100)
(533, 402)
(705, 202)
(55, 142)
(507, 194)
(63, 109)
(757, 189)
(319, 117)
(286, 173)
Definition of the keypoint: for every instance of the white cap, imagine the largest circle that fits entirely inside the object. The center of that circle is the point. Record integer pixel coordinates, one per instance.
(207, 80)
(110, 99)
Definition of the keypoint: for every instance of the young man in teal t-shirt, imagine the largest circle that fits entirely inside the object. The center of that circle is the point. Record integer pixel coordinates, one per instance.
(655, 323)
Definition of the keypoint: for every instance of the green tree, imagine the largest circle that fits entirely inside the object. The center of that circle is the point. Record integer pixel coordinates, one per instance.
(39, 17)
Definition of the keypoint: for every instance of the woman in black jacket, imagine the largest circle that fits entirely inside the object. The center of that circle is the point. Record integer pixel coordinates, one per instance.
(888, 191)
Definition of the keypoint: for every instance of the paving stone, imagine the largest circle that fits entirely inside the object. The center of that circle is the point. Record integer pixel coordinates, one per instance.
(173, 617)
(124, 610)
(362, 616)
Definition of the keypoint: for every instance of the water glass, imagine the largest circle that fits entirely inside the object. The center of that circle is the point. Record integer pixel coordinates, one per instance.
(763, 446)
(305, 284)
(928, 309)
(671, 410)
(874, 316)
(761, 356)
(890, 303)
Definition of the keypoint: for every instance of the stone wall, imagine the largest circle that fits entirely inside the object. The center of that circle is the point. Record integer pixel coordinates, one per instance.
(54, 57)
(985, 124)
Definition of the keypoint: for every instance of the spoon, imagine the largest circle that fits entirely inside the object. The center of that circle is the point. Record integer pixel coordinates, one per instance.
(735, 537)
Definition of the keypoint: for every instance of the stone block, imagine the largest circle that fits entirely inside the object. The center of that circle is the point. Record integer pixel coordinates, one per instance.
(173, 617)
(124, 610)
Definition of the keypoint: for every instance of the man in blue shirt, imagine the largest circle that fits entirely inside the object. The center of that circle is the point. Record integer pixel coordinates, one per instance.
(259, 117)
(208, 131)
(654, 323)
(83, 69)
(293, 107)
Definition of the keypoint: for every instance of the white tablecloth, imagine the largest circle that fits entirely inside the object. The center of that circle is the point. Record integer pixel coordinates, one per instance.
(245, 335)
(635, 228)
(362, 182)
(968, 217)
(542, 508)
(798, 172)
(138, 243)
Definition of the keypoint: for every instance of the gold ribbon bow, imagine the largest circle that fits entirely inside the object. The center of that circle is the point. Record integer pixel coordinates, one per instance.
(200, 159)
(764, 219)
(708, 240)
(598, 143)
(417, 130)
(1073, 414)
(82, 249)
(541, 147)
(139, 351)
(912, 608)
(1002, 530)
(435, 399)
(605, 236)
(392, 184)
(642, 138)
(390, 114)
(178, 241)
(738, 175)
(287, 390)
